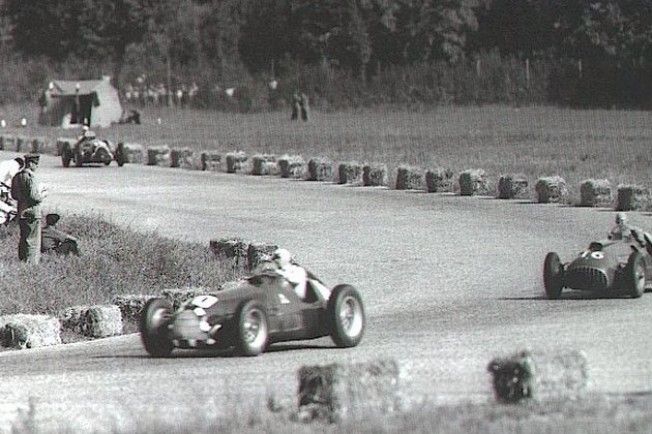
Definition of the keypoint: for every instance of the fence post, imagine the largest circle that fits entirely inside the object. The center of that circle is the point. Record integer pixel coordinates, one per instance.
(527, 73)
(477, 68)
(579, 67)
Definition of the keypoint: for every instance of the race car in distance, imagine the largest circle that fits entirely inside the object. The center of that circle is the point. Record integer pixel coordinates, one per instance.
(250, 315)
(606, 268)
(92, 150)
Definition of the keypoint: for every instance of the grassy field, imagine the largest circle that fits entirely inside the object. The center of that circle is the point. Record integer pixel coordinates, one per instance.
(536, 141)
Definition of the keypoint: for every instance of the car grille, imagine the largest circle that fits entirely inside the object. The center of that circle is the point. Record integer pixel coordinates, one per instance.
(587, 278)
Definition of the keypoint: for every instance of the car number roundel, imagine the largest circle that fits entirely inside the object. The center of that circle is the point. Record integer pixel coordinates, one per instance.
(204, 301)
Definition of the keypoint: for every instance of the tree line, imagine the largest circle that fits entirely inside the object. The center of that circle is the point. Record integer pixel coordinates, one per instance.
(341, 52)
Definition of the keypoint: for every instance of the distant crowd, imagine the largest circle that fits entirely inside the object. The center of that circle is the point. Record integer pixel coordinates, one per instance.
(159, 95)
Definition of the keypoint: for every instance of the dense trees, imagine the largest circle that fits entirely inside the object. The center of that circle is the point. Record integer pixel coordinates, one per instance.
(585, 44)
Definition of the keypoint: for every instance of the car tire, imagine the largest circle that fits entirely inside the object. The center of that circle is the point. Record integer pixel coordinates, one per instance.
(346, 316)
(66, 155)
(153, 321)
(252, 331)
(78, 157)
(120, 154)
(635, 275)
(553, 276)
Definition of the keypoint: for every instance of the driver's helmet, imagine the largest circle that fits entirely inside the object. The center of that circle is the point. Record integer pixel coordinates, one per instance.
(282, 257)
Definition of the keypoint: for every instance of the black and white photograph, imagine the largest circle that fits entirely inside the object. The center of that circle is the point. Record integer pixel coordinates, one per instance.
(326, 216)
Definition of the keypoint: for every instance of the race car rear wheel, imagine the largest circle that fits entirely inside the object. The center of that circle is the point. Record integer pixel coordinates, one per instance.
(120, 156)
(635, 275)
(553, 276)
(346, 314)
(66, 155)
(78, 157)
(153, 321)
(252, 332)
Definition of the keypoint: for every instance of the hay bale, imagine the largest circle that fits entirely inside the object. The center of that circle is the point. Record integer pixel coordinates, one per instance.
(439, 180)
(353, 390)
(178, 296)
(134, 153)
(8, 142)
(259, 252)
(633, 197)
(73, 317)
(409, 178)
(63, 141)
(158, 156)
(185, 158)
(375, 175)
(211, 161)
(320, 169)
(233, 250)
(595, 192)
(131, 305)
(551, 189)
(512, 186)
(22, 144)
(102, 321)
(264, 164)
(350, 173)
(473, 181)
(539, 375)
(292, 166)
(29, 331)
(235, 161)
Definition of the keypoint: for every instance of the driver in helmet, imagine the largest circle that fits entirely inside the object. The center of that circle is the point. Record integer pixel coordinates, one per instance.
(297, 275)
(87, 134)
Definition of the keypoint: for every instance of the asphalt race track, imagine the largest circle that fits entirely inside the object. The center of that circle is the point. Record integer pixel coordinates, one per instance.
(448, 283)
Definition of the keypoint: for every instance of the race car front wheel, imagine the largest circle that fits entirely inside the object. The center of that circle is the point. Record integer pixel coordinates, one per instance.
(346, 314)
(66, 155)
(635, 275)
(553, 276)
(251, 329)
(153, 321)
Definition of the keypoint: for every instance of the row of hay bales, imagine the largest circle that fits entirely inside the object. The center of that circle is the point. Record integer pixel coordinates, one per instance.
(549, 189)
(338, 391)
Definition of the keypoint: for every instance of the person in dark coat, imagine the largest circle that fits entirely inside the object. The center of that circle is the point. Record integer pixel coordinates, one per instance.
(29, 194)
(55, 241)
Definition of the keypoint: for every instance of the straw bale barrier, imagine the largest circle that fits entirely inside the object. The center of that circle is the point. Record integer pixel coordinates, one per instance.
(551, 189)
(375, 175)
(439, 180)
(72, 318)
(158, 156)
(632, 198)
(178, 296)
(235, 161)
(131, 305)
(473, 181)
(134, 152)
(539, 375)
(355, 390)
(595, 192)
(22, 144)
(259, 252)
(320, 169)
(63, 141)
(292, 166)
(350, 173)
(102, 321)
(185, 158)
(211, 161)
(512, 186)
(8, 142)
(264, 164)
(409, 178)
(231, 249)
(29, 331)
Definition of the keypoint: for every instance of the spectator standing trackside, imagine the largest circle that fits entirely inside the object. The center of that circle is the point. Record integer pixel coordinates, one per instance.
(305, 108)
(296, 105)
(29, 194)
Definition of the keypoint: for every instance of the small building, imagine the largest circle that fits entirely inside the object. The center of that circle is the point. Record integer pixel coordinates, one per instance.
(71, 103)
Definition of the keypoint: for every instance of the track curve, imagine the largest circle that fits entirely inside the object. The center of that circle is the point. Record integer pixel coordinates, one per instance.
(448, 283)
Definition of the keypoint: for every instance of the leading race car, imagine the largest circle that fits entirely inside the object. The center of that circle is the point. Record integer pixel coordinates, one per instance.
(606, 268)
(92, 150)
(251, 315)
